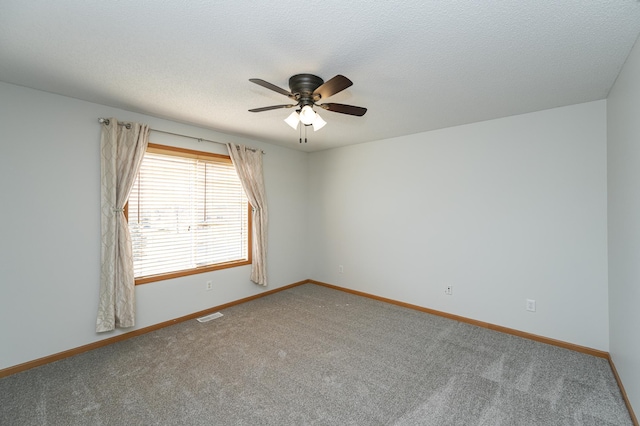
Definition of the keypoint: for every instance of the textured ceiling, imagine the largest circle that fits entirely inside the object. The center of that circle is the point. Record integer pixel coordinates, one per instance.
(416, 65)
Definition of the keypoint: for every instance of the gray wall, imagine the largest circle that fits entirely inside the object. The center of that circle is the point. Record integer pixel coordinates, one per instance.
(50, 215)
(502, 210)
(623, 154)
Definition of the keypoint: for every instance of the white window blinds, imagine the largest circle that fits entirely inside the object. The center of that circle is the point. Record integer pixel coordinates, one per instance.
(186, 212)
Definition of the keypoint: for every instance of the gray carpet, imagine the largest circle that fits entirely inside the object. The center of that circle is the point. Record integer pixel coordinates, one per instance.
(317, 356)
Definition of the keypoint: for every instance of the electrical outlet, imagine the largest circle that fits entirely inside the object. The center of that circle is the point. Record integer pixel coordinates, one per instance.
(340, 269)
(531, 305)
(449, 290)
(209, 285)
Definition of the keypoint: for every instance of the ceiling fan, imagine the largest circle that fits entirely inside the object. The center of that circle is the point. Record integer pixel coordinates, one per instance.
(306, 90)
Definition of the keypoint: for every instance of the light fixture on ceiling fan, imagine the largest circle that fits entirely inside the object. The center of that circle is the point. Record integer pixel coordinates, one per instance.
(306, 90)
(306, 116)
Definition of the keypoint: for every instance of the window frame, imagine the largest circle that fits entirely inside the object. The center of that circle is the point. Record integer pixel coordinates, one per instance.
(190, 153)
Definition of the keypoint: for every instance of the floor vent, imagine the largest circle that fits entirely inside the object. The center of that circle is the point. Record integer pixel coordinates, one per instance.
(209, 317)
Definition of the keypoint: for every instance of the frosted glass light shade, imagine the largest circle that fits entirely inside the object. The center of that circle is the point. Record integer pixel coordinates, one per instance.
(293, 120)
(307, 115)
(318, 123)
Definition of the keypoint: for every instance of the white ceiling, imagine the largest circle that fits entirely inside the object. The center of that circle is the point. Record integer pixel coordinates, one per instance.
(416, 65)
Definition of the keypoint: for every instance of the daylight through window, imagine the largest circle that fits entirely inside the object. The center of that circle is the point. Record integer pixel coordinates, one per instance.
(187, 214)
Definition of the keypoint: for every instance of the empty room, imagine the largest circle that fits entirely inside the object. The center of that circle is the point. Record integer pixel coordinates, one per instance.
(329, 213)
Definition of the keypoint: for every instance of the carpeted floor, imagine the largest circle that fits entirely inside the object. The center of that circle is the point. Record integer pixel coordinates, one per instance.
(316, 356)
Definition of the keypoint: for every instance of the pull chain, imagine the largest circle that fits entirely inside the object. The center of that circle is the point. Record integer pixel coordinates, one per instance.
(305, 132)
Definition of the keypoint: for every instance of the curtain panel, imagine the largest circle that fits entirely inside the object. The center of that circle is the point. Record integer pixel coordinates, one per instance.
(122, 148)
(248, 164)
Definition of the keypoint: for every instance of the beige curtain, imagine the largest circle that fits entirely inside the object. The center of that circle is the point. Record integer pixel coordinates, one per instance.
(122, 148)
(248, 164)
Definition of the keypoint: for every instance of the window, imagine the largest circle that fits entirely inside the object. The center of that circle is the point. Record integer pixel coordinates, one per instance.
(187, 214)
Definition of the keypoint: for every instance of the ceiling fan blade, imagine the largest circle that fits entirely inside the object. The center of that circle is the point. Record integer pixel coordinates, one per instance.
(345, 109)
(270, 86)
(333, 86)
(270, 108)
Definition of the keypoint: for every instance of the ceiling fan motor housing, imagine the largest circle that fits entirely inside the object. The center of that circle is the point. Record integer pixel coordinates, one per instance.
(303, 86)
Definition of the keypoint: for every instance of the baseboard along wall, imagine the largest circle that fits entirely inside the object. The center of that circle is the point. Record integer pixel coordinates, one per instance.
(95, 345)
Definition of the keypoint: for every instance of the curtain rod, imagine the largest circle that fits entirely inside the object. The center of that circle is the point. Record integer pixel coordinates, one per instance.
(128, 126)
